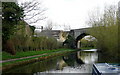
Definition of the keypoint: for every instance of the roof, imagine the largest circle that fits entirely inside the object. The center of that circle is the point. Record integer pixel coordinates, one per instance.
(50, 33)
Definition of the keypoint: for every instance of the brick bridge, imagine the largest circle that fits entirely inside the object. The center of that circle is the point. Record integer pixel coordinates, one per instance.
(79, 34)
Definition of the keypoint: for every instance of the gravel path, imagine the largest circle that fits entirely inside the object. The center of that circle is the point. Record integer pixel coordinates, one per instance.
(21, 58)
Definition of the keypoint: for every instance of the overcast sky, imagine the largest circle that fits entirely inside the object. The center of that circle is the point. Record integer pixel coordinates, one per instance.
(71, 12)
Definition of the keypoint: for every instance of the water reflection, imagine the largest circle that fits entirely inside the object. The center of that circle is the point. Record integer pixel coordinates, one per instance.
(72, 60)
(77, 62)
(39, 66)
(88, 57)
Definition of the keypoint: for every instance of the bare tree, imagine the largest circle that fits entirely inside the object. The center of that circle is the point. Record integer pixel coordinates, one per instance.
(34, 11)
(66, 27)
(49, 25)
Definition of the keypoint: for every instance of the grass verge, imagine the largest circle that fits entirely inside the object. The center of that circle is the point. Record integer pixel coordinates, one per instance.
(6, 56)
(49, 53)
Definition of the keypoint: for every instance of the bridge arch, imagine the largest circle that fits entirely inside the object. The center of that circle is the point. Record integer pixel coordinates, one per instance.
(77, 42)
(81, 36)
(78, 34)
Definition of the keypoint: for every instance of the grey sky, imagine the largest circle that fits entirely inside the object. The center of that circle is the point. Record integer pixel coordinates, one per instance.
(72, 12)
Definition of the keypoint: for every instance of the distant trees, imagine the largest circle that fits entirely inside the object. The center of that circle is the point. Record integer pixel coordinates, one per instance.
(105, 29)
(49, 25)
(52, 25)
(88, 43)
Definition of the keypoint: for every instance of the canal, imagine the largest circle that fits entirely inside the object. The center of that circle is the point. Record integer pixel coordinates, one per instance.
(75, 62)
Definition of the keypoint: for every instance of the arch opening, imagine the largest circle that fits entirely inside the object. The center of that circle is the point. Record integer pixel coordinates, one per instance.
(85, 37)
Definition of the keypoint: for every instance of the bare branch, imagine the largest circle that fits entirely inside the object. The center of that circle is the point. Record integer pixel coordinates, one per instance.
(37, 20)
(35, 14)
(34, 11)
(26, 4)
(49, 25)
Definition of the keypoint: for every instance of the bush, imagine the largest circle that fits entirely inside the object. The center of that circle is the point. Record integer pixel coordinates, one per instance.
(35, 43)
(10, 47)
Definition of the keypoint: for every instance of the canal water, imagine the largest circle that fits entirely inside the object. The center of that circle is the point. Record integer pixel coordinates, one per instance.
(75, 62)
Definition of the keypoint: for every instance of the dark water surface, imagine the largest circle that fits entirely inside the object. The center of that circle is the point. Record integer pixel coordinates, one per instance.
(75, 62)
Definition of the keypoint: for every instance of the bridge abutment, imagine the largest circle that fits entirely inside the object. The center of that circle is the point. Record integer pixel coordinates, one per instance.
(78, 44)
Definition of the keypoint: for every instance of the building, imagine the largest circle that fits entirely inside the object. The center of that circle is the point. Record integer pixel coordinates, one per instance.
(57, 34)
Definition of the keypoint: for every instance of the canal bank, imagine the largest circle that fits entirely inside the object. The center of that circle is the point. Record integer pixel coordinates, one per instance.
(70, 62)
(10, 63)
(65, 62)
